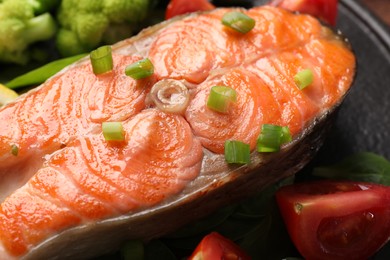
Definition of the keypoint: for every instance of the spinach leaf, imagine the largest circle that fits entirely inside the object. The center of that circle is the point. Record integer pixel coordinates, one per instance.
(364, 166)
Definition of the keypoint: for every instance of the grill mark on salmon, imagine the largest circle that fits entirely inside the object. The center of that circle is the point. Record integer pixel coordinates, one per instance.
(72, 177)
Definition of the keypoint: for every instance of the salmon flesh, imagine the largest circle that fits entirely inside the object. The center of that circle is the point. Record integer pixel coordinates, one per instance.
(67, 193)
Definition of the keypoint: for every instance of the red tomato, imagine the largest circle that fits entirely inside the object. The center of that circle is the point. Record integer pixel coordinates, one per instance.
(336, 220)
(325, 10)
(177, 7)
(216, 247)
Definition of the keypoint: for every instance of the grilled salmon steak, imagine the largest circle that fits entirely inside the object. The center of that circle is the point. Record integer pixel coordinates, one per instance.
(68, 193)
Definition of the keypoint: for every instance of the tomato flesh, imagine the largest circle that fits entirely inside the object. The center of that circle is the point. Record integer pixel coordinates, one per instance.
(178, 7)
(216, 247)
(325, 10)
(336, 220)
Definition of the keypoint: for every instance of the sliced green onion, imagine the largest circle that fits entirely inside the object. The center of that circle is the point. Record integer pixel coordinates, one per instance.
(39, 75)
(286, 135)
(101, 60)
(272, 137)
(304, 78)
(113, 131)
(238, 21)
(140, 69)
(14, 150)
(220, 98)
(237, 152)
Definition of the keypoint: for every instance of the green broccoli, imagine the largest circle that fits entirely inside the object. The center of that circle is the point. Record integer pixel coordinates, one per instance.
(20, 26)
(86, 24)
(43, 6)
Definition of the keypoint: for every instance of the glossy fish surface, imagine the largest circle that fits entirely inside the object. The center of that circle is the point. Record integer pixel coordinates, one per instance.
(70, 194)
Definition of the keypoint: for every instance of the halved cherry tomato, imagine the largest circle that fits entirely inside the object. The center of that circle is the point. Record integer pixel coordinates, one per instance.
(325, 10)
(336, 220)
(217, 247)
(177, 7)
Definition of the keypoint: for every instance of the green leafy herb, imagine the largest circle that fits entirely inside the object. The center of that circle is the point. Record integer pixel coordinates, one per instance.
(363, 166)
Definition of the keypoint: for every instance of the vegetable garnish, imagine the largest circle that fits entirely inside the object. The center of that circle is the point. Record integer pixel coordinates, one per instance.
(14, 150)
(101, 59)
(336, 219)
(140, 69)
(237, 152)
(272, 137)
(238, 21)
(179, 7)
(85, 25)
(304, 78)
(220, 98)
(170, 96)
(286, 135)
(113, 131)
(41, 74)
(325, 10)
(20, 27)
(215, 246)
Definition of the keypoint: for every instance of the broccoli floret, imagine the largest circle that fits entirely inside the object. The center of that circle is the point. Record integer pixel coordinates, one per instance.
(43, 6)
(20, 27)
(84, 25)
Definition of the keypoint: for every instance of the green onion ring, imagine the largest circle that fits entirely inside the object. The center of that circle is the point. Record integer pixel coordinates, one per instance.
(237, 152)
(101, 60)
(304, 78)
(113, 131)
(220, 98)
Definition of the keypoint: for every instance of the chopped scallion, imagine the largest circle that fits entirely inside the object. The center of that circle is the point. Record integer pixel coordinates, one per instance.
(14, 150)
(286, 135)
(140, 69)
(237, 152)
(238, 21)
(101, 60)
(272, 137)
(304, 78)
(220, 98)
(113, 131)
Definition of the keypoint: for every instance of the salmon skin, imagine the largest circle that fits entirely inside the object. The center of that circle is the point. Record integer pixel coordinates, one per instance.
(67, 193)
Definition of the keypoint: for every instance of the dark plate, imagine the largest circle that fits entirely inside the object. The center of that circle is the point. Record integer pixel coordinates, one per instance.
(363, 122)
(364, 119)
